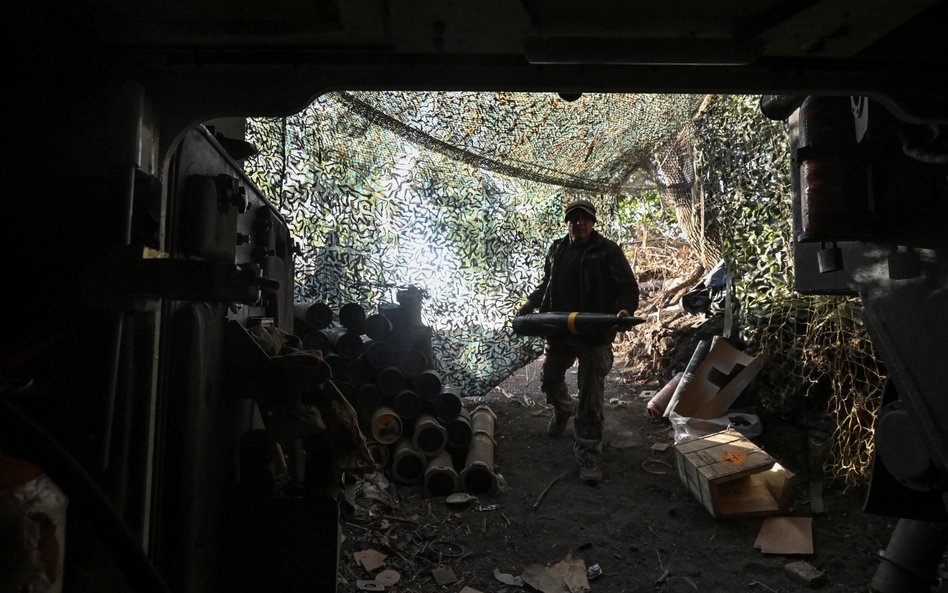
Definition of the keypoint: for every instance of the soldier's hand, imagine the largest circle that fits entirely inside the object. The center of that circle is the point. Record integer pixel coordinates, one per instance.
(526, 309)
(622, 313)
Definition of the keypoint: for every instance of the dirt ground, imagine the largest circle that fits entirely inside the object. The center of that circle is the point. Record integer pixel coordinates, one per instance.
(643, 529)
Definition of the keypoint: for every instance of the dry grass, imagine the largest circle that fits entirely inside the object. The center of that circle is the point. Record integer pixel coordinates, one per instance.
(846, 387)
(666, 270)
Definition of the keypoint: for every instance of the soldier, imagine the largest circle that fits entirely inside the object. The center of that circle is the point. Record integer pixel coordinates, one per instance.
(585, 272)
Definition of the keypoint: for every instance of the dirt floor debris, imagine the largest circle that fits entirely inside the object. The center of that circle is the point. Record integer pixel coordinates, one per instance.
(618, 526)
(388, 578)
(593, 572)
(508, 579)
(444, 575)
(806, 573)
(786, 535)
(539, 499)
(543, 579)
(573, 571)
(460, 499)
(371, 560)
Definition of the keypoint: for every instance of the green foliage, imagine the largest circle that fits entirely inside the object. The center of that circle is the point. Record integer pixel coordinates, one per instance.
(458, 194)
(645, 210)
(743, 159)
(819, 356)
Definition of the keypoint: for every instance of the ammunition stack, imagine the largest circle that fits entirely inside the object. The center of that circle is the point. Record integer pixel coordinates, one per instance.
(417, 428)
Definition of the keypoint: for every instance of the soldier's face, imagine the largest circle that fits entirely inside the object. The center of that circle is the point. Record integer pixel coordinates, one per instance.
(579, 225)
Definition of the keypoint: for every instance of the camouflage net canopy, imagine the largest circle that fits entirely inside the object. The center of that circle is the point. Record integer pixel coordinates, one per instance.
(456, 194)
(820, 359)
(459, 195)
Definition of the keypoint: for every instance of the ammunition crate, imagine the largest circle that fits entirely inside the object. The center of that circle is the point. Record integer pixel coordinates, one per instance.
(733, 477)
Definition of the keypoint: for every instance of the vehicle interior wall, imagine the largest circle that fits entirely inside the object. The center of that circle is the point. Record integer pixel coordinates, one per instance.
(123, 378)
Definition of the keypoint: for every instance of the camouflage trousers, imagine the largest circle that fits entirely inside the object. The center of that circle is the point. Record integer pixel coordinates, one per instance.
(595, 362)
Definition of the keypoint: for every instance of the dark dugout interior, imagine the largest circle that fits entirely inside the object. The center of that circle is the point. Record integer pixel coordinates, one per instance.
(117, 376)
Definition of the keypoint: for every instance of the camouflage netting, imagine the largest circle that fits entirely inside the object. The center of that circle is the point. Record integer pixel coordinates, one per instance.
(820, 359)
(457, 194)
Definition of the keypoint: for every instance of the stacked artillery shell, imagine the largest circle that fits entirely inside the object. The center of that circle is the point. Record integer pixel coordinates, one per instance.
(448, 403)
(379, 354)
(386, 426)
(377, 327)
(440, 478)
(311, 317)
(391, 380)
(413, 362)
(428, 384)
(407, 404)
(460, 430)
(416, 427)
(359, 371)
(345, 342)
(478, 474)
(430, 436)
(352, 317)
(315, 340)
(408, 463)
(459, 436)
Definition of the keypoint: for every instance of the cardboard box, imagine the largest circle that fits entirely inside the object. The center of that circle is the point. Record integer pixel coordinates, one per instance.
(733, 477)
(718, 381)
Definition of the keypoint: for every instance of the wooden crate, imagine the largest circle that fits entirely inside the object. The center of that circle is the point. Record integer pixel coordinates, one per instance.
(733, 477)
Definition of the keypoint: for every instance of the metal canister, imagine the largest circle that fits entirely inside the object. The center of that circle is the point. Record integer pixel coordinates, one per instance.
(659, 402)
(448, 404)
(407, 404)
(380, 354)
(367, 397)
(313, 315)
(428, 384)
(344, 342)
(352, 317)
(386, 426)
(430, 436)
(440, 477)
(412, 362)
(459, 430)
(408, 463)
(316, 340)
(377, 327)
(359, 371)
(478, 475)
(834, 200)
(391, 380)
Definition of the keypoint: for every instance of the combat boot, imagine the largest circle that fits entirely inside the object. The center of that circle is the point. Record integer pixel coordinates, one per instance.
(590, 472)
(557, 425)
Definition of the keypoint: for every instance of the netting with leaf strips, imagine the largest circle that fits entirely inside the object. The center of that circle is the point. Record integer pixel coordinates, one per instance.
(819, 354)
(458, 194)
